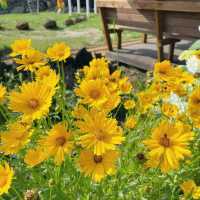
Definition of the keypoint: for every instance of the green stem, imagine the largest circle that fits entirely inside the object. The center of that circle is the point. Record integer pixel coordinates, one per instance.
(3, 113)
(17, 193)
(62, 88)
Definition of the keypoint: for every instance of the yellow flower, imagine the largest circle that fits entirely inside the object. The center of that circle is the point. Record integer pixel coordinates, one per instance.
(113, 81)
(129, 104)
(170, 110)
(33, 100)
(34, 157)
(19, 47)
(43, 72)
(188, 187)
(169, 144)
(163, 70)
(14, 139)
(163, 89)
(130, 122)
(125, 86)
(98, 69)
(58, 142)
(182, 76)
(79, 111)
(146, 100)
(93, 92)
(194, 103)
(99, 132)
(97, 167)
(31, 60)
(48, 76)
(111, 103)
(196, 193)
(59, 52)
(2, 93)
(6, 176)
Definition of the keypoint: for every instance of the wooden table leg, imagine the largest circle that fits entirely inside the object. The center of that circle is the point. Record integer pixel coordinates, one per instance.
(106, 30)
(171, 51)
(144, 38)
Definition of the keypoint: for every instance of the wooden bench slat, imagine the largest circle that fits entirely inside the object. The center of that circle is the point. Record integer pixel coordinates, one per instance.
(167, 5)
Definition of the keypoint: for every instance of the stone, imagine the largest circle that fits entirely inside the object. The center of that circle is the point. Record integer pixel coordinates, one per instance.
(23, 26)
(51, 24)
(81, 19)
(70, 22)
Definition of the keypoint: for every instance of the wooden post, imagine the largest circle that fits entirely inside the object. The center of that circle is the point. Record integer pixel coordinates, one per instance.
(119, 35)
(70, 7)
(87, 8)
(78, 4)
(106, 30)
(171, 51)
(159, 36)
(144, 38)
(95, 7)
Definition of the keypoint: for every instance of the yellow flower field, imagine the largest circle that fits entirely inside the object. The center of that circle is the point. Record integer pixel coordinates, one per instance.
(105, 139)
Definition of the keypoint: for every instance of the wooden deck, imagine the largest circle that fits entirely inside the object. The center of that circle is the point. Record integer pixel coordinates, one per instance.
(144, 56)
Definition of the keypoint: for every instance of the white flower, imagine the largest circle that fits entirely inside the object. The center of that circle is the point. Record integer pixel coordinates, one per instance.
(193, 64)
(178, 101)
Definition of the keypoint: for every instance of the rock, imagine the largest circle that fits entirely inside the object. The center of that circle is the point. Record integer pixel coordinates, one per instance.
(70, 22)
(51, 24)
(81, 19)
(23, 26)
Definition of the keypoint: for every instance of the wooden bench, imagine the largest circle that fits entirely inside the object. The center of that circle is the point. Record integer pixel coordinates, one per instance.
(123, 16)
(168, 20)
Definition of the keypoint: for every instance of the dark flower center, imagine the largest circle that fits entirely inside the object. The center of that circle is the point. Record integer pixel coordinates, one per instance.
(98, 159)
(33, 103)
(60, 141)
(95, 94)
(165, 141)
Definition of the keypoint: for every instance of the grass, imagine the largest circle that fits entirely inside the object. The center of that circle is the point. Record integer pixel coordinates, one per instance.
(76, 36)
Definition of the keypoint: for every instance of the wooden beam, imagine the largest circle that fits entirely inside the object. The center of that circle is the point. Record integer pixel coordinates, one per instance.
(113, 4)
(168, 5)
(106, 30)
(159, 36)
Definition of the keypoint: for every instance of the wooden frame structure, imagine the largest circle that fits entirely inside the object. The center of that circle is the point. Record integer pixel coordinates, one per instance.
(169, 20)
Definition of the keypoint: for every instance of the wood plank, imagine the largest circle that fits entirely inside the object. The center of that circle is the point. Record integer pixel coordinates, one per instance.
(168, 5)
(182, 32)
(144, 56)
(113, 4)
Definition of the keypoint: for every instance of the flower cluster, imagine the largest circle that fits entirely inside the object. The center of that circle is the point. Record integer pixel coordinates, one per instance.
(44, 126)
(100, 92)
(90, 126)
